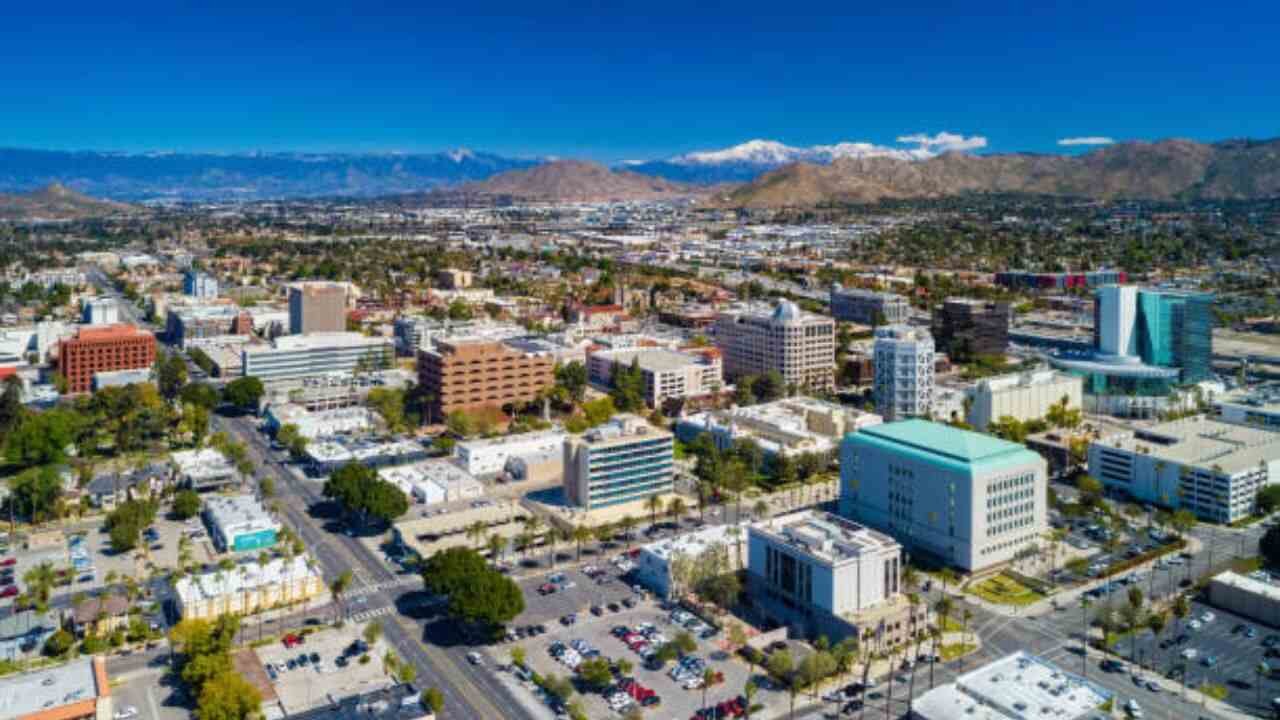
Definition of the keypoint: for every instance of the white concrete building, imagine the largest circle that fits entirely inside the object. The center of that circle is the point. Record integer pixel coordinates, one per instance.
(799, 345)
(1020, 686)
(328, 454)
(624, 460)
(294, 357)
(18, 344)
(1210, 467)
(489, 456)
(903, 359)
(654, 561)
(101, 311)
(203, 469)
(788, 426)
(250, 587)
(433, 481)
(969, 499)
(667, 373)
(314, 424)
(1023, 396)
(239, 523)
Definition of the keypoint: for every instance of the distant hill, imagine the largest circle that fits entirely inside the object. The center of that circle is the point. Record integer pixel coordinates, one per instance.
(56, 202)
(579, 181)
(251, 176)
(1165, 170)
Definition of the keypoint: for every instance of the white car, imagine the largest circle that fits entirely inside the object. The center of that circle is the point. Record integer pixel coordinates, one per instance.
(1207, 617)
(474, 658)
(126, 712)
(1195, 625)
(1133, 708)
(1189, 654)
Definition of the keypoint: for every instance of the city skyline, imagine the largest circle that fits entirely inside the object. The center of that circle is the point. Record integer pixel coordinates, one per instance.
(636, 83)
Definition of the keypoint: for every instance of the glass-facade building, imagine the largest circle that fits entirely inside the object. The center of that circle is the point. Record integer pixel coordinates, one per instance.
(624, 461)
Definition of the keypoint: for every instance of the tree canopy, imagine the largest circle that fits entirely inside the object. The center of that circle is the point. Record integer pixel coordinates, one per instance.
(244, 393)
(359, 490)
(478, 594)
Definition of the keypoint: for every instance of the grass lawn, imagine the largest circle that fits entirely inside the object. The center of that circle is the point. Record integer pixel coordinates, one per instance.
(1244, 566)
(1217, 692)
(950, 624)
(1247, 521)
(955, 650)
(1004, 590)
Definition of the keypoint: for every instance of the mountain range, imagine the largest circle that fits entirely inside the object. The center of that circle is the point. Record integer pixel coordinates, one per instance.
(747, 161)
(57, 202)
(580, 181)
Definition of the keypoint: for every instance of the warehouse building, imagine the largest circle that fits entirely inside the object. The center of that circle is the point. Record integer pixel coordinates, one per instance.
(1249, 597)
(491, 456)
(433, 482)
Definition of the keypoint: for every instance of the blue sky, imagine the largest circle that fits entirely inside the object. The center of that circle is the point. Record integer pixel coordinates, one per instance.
(619, 80)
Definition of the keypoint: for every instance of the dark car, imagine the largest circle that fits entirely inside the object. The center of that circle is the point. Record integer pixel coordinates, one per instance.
(291, 664)
(614, 607)
(852, 706)
(303, 660)
(314, 658)
(597, 610)
(1239, 684)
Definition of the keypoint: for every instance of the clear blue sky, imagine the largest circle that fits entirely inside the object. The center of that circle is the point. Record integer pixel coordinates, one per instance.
(617, 80)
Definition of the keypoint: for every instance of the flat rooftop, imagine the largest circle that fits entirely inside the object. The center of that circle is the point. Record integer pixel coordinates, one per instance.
(1204, 442)
(247, 575)
(43, 691)
(315, 341)
(692, 544)
(1020, 686)
(939, 439)
(1248, 584)
(824, 536)
(513, 441)
(655, 359)
(238, 513)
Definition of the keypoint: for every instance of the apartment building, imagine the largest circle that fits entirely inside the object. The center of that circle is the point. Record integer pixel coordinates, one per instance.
(1210, 467)
(100, 311)
(868, 307)
(964, 328)
(824, 575)
(298, 357)
(622, 461)
(799, 345)
(467, 375)
(104, 349)
(667, 373)
(317, 307)
(198, 324)
(250, 587)
(904, 369)
(967, 499)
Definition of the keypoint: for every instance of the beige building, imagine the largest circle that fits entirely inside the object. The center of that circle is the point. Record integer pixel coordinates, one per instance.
(667, 373)
(622, 461)
(799, 345)
(454, 279)
(317, 307)
(788, 426)
(1023, 396)
(249, 587)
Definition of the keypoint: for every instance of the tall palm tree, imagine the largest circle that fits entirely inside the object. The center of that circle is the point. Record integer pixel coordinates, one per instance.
(582, 534)
(1156, 623)
(654, 505)
(965, 616)
(936, 635)
(676, 510)
(475, 532)
(496, 545)
(627, 524)
(888, 693)
(749, 692)
(1084, 635)
(913, 600)
(761, 509)
(708, 677)
(338, 587)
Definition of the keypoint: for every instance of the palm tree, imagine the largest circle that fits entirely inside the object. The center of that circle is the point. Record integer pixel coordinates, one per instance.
(1155, 622)
(708, 677)
(497, 544)
(735, 532)
(1084, 635)
(936, 635)
(965, 616)
(676, 510)
(761, 509)
(913, 600)
(475, 532)
(888, 693)
(654, 505)
(338, 587)
(943, 607)
(749, 692)
(627, 524)
(582, 534)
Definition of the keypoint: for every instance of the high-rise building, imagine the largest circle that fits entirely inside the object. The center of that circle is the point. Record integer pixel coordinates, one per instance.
(199, 284)
(622, 461)
(104, 349)
(298, 357)
(469, 374)
(454, 279)
(317, 307)
(964, 328)
(903, 385)
(101, 311)
(799, 345)
(868, 307)
(966, 498)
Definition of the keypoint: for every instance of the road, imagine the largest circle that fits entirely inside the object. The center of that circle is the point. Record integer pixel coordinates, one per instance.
(469, 691)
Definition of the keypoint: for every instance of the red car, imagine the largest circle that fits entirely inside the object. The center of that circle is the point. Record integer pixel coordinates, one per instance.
(546, 589)
(9, 591)
(8, 562)
(292, 640)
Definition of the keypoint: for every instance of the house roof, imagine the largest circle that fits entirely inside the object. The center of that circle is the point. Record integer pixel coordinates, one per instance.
(107, 605)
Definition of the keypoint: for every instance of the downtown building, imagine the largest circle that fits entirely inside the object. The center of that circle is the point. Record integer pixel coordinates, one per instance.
(104, 349)
(968, 499)
(904, 368)
(965, 328)
(317, 307)
(625, 460)
(300, 357)
(667, 373)
(199, 284)
(465, 374)
(799, 345)
(1022, 396)
(868, 307)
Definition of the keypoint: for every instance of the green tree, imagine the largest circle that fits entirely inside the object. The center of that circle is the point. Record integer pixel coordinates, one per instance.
(359, 490)
(35, 493)
(390, 406)
(170, 372)
(595, 673)
(228, 696)
(244, 393)
(59, 643)
(200, 394)
(433, 699)
(1268, 499)
(476, 592)
(1090, 489)
(125, 523)
(43, 438)
(186, 504)
(770, 387)
(572, 376)
(627, 386)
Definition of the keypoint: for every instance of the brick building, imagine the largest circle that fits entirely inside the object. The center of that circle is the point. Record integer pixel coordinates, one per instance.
(470, 374)
(101, 349)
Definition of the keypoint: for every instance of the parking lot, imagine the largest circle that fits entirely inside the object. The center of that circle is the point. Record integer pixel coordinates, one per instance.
(679, 696)
(311, 674)
(578, 593)
(152, 700)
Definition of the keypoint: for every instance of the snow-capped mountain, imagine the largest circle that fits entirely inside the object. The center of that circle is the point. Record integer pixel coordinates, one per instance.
(754, 157)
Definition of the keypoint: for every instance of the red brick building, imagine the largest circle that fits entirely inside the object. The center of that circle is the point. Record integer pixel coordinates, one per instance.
(103, 349)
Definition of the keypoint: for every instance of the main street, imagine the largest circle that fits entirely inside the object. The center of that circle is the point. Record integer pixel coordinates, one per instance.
(469, 691)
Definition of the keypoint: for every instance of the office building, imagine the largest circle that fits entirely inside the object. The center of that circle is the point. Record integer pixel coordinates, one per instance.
(967, 499)
(102, 349)
(625, 460)
(239, 523)
(1020, 686)
(1022, 396)
(20, 345)
(328, 454)
(454, 279)
(298, 357)
(433, 482)
(466, 375)
(317, 307)
(78, 690)
(964, 328)
(799, 345)
(868, 307)
(1210, 467)
(1146, 344)
(312, 424)
(203, 469)
(789, 426)
(667, 373)
(199, 284)
(490, 456)
(1259, 405)
(195, 325)
(1058, 281)
(100, 311)
(250, 587)
(904, 368)
(654, 560)
(824, 575)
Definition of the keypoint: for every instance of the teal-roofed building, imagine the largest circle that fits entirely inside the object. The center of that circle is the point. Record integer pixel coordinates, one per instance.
(969, 499)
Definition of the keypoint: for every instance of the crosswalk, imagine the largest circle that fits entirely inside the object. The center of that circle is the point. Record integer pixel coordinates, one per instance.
(367, 615)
